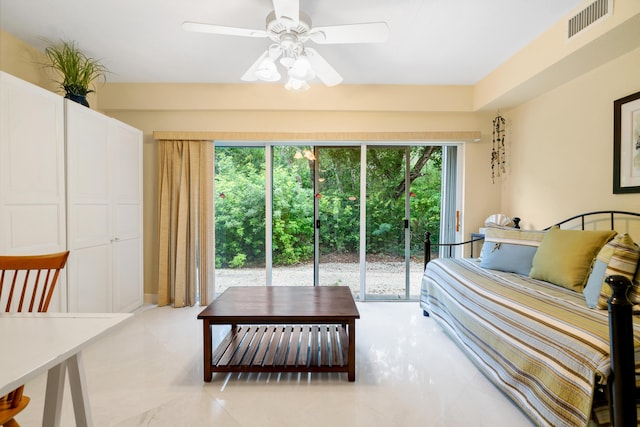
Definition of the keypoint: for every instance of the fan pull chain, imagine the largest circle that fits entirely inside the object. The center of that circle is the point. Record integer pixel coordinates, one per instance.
(498, 152)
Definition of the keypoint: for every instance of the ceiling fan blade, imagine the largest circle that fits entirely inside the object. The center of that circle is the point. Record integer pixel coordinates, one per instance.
(250, 74)
(223, 30)
(287, 11)
(272, 53)
(324, 71)
(369, 32)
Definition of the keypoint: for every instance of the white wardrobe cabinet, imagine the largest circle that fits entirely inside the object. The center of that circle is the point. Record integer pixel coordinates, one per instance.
(104, 212)
(45, 142)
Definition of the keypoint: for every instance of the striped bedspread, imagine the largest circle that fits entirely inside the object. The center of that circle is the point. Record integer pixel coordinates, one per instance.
(538, 342)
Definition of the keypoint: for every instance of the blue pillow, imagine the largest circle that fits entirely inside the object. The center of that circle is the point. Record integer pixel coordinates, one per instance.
(594, 284)
(507, 257)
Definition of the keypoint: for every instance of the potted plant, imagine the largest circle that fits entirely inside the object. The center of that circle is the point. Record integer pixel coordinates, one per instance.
(77, 70)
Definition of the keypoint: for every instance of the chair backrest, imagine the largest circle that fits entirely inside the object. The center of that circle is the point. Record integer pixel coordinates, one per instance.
(27, 282)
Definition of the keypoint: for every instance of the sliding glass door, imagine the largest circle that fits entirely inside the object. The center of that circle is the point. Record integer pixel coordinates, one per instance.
(292, 215)
(325, 215)
(386, 270)
(403, 201)
(337, 202)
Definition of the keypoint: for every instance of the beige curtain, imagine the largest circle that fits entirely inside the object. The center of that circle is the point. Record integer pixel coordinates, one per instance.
(186, 227)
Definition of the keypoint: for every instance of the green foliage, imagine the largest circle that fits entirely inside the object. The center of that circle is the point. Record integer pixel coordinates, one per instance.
(240, 203)
(385, 200)
(77, 70)
(292, 217)
(339, 204)
(238, 261)
(426, 204)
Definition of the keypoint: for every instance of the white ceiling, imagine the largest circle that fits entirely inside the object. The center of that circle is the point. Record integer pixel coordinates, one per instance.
(431, 42)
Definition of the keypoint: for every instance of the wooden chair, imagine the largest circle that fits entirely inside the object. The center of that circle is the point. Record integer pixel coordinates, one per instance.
(26, 285)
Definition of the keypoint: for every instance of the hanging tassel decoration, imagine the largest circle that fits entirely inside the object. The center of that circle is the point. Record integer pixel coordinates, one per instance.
(498, 155)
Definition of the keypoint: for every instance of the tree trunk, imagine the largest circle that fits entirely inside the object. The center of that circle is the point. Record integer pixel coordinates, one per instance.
(416, 170)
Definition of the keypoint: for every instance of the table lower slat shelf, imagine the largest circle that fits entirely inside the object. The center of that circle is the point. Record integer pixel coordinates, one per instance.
(282, 348)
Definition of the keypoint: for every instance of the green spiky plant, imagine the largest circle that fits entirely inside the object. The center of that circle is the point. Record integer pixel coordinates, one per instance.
(77, 70)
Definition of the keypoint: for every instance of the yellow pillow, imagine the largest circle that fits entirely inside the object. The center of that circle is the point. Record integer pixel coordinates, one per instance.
(565, 256)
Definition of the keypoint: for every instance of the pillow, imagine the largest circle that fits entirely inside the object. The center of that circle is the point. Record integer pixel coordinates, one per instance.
(507, 257)
(619, 256)
(595, 283)
(514, 236)
(565, 257)
(510, 250)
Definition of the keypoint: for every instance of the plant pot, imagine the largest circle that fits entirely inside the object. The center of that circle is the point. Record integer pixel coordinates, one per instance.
(80, 99)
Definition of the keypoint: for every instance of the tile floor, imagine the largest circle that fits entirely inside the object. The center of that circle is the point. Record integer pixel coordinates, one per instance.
(408, 373)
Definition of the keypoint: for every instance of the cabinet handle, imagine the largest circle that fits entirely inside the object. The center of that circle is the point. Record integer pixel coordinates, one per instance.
(117, 239)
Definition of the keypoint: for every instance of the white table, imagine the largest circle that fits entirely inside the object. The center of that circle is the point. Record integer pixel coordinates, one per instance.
(32, 343)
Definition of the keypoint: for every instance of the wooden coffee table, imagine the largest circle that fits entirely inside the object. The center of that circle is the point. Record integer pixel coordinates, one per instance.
(282, 329)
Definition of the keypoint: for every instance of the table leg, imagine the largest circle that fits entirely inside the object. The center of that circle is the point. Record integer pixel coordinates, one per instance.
(53, 396)
(352, 350)
(207, 349)
(79, 394)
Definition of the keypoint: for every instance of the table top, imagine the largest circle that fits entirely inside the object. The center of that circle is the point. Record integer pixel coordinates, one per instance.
(31, 343)
(287, 304)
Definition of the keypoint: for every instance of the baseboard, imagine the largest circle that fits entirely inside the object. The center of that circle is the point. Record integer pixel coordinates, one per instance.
(151, 299)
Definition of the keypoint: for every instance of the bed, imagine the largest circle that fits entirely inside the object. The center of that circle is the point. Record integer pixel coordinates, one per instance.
(538, 342)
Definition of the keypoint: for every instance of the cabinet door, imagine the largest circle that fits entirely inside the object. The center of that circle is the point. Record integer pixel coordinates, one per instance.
(32, 177)
(104, 181)
(126, 144)
(89, 209)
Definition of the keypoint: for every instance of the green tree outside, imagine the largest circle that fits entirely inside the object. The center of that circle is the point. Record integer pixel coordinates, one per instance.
(240, 203)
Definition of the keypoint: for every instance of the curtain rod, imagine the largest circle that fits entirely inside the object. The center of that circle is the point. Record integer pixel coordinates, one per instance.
(467, 136)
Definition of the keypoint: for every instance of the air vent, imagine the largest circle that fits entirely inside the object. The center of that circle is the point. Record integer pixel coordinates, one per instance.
(588, 16)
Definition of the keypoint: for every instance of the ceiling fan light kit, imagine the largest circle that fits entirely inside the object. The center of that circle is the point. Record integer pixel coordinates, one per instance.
(302, 69)
(289, 29)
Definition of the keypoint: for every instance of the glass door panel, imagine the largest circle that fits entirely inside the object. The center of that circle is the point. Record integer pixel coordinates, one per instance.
(386, 206)
(240, 217)
(338, 210)
(293, 215)
(403, 202)
(425, 193)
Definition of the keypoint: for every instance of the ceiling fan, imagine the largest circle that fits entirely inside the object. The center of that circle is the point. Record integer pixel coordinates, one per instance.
(289, 29)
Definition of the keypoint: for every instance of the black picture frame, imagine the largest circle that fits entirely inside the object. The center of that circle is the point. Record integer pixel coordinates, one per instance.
(626, 144)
